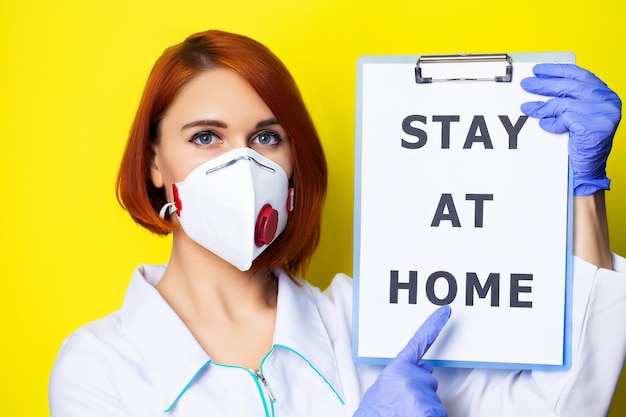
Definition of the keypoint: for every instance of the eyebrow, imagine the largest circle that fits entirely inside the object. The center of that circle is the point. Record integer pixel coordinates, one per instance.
(217, 123)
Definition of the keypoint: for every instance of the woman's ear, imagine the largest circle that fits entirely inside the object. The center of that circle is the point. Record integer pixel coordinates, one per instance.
(155, 169)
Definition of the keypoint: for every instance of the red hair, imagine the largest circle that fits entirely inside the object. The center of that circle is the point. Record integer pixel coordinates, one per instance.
(200, 52)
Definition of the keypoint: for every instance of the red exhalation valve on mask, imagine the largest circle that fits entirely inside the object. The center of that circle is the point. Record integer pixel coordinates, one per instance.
(266, 225)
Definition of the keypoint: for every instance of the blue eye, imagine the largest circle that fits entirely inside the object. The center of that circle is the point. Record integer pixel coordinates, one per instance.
(267, 138)
(204, 138)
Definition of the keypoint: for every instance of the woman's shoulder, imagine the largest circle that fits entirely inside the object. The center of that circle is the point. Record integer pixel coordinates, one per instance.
(86, 361)
(102, 346)
(95, 332)
(92, 344)
(334, 303)
(337, 293)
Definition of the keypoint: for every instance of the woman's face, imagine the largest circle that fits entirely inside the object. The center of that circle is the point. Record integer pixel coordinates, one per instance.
(216, 112)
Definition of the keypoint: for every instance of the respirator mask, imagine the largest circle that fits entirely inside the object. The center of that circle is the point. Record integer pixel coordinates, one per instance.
(234, 205)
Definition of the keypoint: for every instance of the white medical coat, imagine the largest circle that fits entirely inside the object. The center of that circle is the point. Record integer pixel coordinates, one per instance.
(142, 361)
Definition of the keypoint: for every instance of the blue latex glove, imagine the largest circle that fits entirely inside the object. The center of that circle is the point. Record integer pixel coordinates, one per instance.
(585, 107)
(405, 387)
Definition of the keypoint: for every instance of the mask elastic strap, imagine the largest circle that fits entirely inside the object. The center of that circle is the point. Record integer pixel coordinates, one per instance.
(172, 209)
(291, 200)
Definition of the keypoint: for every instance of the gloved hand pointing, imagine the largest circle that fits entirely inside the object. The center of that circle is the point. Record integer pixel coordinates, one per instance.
(405, 387)
(585, 107)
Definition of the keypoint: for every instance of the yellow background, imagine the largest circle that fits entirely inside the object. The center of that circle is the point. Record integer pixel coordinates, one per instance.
(71, 73)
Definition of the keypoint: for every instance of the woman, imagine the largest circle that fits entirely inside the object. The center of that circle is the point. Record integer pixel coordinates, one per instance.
(223, 154)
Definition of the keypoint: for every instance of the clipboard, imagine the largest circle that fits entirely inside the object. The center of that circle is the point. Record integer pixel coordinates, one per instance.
(460, 199)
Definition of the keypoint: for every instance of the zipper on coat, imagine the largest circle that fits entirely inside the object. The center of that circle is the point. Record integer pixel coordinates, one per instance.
(263, 381)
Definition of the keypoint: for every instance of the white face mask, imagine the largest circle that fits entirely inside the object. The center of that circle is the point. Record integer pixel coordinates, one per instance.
(234, 205)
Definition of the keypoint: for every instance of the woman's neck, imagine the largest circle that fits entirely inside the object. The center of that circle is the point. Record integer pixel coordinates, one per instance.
(230, 313)
(199, 285)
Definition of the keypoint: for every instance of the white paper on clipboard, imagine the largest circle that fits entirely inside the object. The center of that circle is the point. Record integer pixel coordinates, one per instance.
(460, 200)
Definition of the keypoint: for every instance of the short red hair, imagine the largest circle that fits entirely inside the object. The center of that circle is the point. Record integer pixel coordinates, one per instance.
(200, 52)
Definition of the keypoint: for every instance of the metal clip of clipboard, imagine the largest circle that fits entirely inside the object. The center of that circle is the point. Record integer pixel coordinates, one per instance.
(467, 67)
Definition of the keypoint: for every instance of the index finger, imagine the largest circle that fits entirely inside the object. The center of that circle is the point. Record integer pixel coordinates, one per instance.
(425, 335)
(568, 87)
(565, 70)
